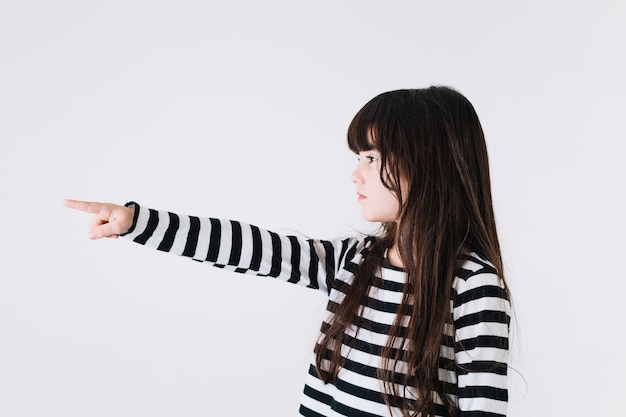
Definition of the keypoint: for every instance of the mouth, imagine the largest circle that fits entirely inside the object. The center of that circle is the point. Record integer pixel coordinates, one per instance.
(360, 197)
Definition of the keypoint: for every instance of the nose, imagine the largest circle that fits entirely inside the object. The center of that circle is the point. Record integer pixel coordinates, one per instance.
(356, 176)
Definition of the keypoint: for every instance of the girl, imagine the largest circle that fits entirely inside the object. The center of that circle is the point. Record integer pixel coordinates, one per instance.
(418, 316)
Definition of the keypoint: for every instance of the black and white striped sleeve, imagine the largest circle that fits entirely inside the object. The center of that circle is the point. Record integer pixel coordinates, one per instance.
(241, 247)
(481, 312)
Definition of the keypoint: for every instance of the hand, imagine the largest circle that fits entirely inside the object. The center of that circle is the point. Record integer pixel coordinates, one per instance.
(109, 220)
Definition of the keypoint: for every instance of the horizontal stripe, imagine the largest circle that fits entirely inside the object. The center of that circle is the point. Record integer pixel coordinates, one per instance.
(307, 412)
(484, 392)
(317, 395)
(482, 366)
(480, 292)
(482, 317)
(484, 341)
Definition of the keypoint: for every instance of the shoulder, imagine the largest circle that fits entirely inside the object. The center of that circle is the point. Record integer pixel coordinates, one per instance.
(473, 264)
(354, 249)
(476, 270)
(477, 278)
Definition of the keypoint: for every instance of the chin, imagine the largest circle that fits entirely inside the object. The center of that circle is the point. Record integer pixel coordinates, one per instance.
(374, 219)
(378, 218)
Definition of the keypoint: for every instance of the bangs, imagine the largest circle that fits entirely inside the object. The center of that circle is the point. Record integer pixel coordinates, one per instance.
(362, 138)
(363, 132)
(377, 119)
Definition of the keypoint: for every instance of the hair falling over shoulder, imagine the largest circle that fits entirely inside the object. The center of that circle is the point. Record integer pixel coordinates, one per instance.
(434, 158)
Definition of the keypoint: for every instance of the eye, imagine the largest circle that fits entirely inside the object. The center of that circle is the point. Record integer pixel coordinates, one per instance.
(371, 158)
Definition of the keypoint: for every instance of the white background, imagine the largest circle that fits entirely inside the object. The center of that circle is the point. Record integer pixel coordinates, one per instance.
(239, 109)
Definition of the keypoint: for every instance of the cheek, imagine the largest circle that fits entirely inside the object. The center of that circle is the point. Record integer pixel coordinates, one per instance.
(390, 202)
(393, 203)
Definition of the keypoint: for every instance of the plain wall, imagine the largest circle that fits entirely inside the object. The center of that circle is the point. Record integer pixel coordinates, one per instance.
(239, 109)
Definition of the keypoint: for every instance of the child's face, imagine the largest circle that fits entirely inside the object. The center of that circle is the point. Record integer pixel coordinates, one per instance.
(378, 203)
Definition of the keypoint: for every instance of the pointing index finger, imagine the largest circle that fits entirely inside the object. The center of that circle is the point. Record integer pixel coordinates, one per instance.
(87, 206)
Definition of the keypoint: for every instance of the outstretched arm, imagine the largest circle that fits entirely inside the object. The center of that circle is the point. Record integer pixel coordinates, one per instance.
(229, 244)
(109, 220)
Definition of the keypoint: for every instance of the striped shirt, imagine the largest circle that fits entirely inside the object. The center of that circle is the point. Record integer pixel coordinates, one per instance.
(474, 351)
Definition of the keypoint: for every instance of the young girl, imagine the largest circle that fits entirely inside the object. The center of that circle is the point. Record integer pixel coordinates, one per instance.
(418, 316)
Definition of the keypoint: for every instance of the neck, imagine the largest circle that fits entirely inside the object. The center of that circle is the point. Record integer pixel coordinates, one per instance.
(393, 256)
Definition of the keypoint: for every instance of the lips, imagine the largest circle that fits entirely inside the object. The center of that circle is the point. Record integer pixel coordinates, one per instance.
(360, 197)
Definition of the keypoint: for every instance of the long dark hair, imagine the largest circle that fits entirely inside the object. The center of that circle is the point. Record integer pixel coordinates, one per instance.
(434, 158)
